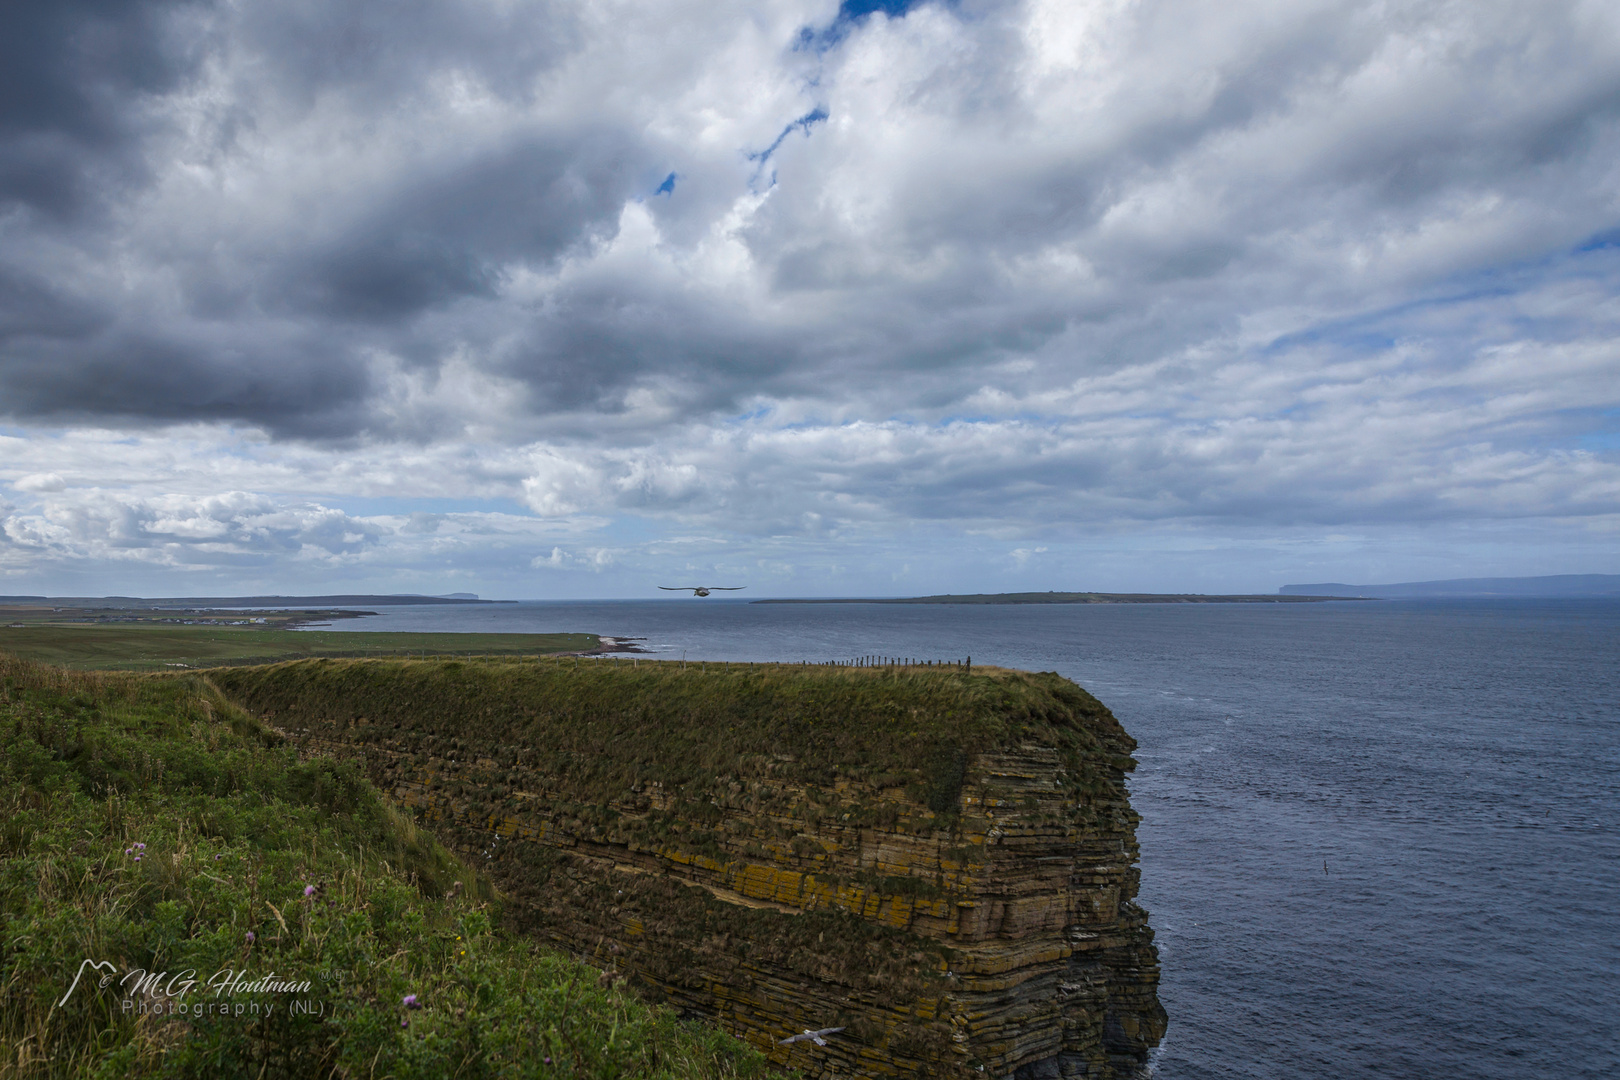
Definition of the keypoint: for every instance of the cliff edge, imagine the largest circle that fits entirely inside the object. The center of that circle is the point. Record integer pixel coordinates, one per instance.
(940, 862)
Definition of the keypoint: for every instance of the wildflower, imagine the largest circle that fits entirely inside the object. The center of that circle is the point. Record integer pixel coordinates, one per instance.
(309, 890)
(404, 1021)
(128, 850)
(250, 938)
(218, 857)
(141, 847)
(137, 858)
(410, 1002)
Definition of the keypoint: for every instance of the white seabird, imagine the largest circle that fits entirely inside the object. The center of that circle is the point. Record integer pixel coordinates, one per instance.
(816, 1037)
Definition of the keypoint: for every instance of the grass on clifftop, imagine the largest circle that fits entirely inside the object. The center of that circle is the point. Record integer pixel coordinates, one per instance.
(601, 727)
(161, 648)
(149, 824)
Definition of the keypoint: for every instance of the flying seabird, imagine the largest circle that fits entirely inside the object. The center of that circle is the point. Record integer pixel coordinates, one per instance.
(702, 590)
(813, 1036)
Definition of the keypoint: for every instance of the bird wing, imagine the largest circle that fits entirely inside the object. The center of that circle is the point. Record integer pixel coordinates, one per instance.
(678, 588)
(816, 1036)
(727, 588)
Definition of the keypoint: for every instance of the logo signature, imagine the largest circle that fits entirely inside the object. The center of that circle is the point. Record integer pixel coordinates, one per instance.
(159, 992)
(95, 965)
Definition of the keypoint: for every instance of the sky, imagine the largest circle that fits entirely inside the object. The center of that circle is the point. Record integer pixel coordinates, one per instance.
(577, 299)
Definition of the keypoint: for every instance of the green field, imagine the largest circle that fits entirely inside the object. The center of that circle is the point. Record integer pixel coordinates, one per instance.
(147, 647)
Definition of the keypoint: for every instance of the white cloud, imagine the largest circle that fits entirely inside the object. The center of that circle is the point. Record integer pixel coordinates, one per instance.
(178, 530)
(595, 559)
(1014, 271)
(39, 482)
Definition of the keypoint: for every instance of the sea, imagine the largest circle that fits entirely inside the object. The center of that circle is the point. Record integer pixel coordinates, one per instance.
(1379, 838)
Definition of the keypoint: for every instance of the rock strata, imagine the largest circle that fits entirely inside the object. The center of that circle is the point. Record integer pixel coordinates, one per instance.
(941, 863)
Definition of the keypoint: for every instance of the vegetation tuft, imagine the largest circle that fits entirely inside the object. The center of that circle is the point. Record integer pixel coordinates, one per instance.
(151, 825)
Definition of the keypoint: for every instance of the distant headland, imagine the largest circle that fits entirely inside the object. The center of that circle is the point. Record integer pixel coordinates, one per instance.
(1071, 598)
(367, 600)
(1550, 587)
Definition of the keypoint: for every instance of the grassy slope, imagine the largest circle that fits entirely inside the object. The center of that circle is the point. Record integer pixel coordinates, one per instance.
(600, 726)
(235, 830)
(141, 647)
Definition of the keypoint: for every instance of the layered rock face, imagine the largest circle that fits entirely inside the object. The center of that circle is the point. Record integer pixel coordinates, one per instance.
(941, 863)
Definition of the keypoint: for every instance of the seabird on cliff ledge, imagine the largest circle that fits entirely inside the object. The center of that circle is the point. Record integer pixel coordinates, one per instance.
(814, 1036)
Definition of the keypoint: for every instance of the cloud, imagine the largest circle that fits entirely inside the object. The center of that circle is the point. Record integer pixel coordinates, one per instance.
(596, 559)
(804, 269)
(1021, 556)
(1084, 188)
(182, 531)
(39, 482)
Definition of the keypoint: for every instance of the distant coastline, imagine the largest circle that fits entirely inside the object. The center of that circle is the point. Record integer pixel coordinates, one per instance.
(1548, 587)
(1072, 598)
(340, 600)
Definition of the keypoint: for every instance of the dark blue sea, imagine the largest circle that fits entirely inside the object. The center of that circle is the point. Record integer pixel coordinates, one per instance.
(1378, 838)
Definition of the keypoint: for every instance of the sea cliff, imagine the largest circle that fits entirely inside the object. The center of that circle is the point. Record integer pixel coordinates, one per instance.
(940, 862)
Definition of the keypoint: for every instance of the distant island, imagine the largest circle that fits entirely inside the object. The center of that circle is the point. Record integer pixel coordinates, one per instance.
(366, 600)
(1553, 586)
(1071, 598)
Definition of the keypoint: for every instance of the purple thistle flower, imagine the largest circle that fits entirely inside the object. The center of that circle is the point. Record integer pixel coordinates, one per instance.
(129, 851)
(309, 890)
(218, 857)
(142, 847)
(137, 858)
(405, 1022)
(250, 937)
(410, 1002)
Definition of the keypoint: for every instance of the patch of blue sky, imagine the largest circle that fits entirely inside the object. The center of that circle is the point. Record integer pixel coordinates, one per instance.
(750, 417)
(1346, 333)
(1599, 241)
(850, 14)
(804, 123)
(1601, 441)
(667, 187)
(1382, 328)
(1024, 417)
(403, 506)
(1602, 430)
(629, 530)
(856, 9)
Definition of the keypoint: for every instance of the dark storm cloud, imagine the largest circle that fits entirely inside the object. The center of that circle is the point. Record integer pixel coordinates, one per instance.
(1040, 260)
(303, 386)
(74, 76)
(448, 236)
(250, 323)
